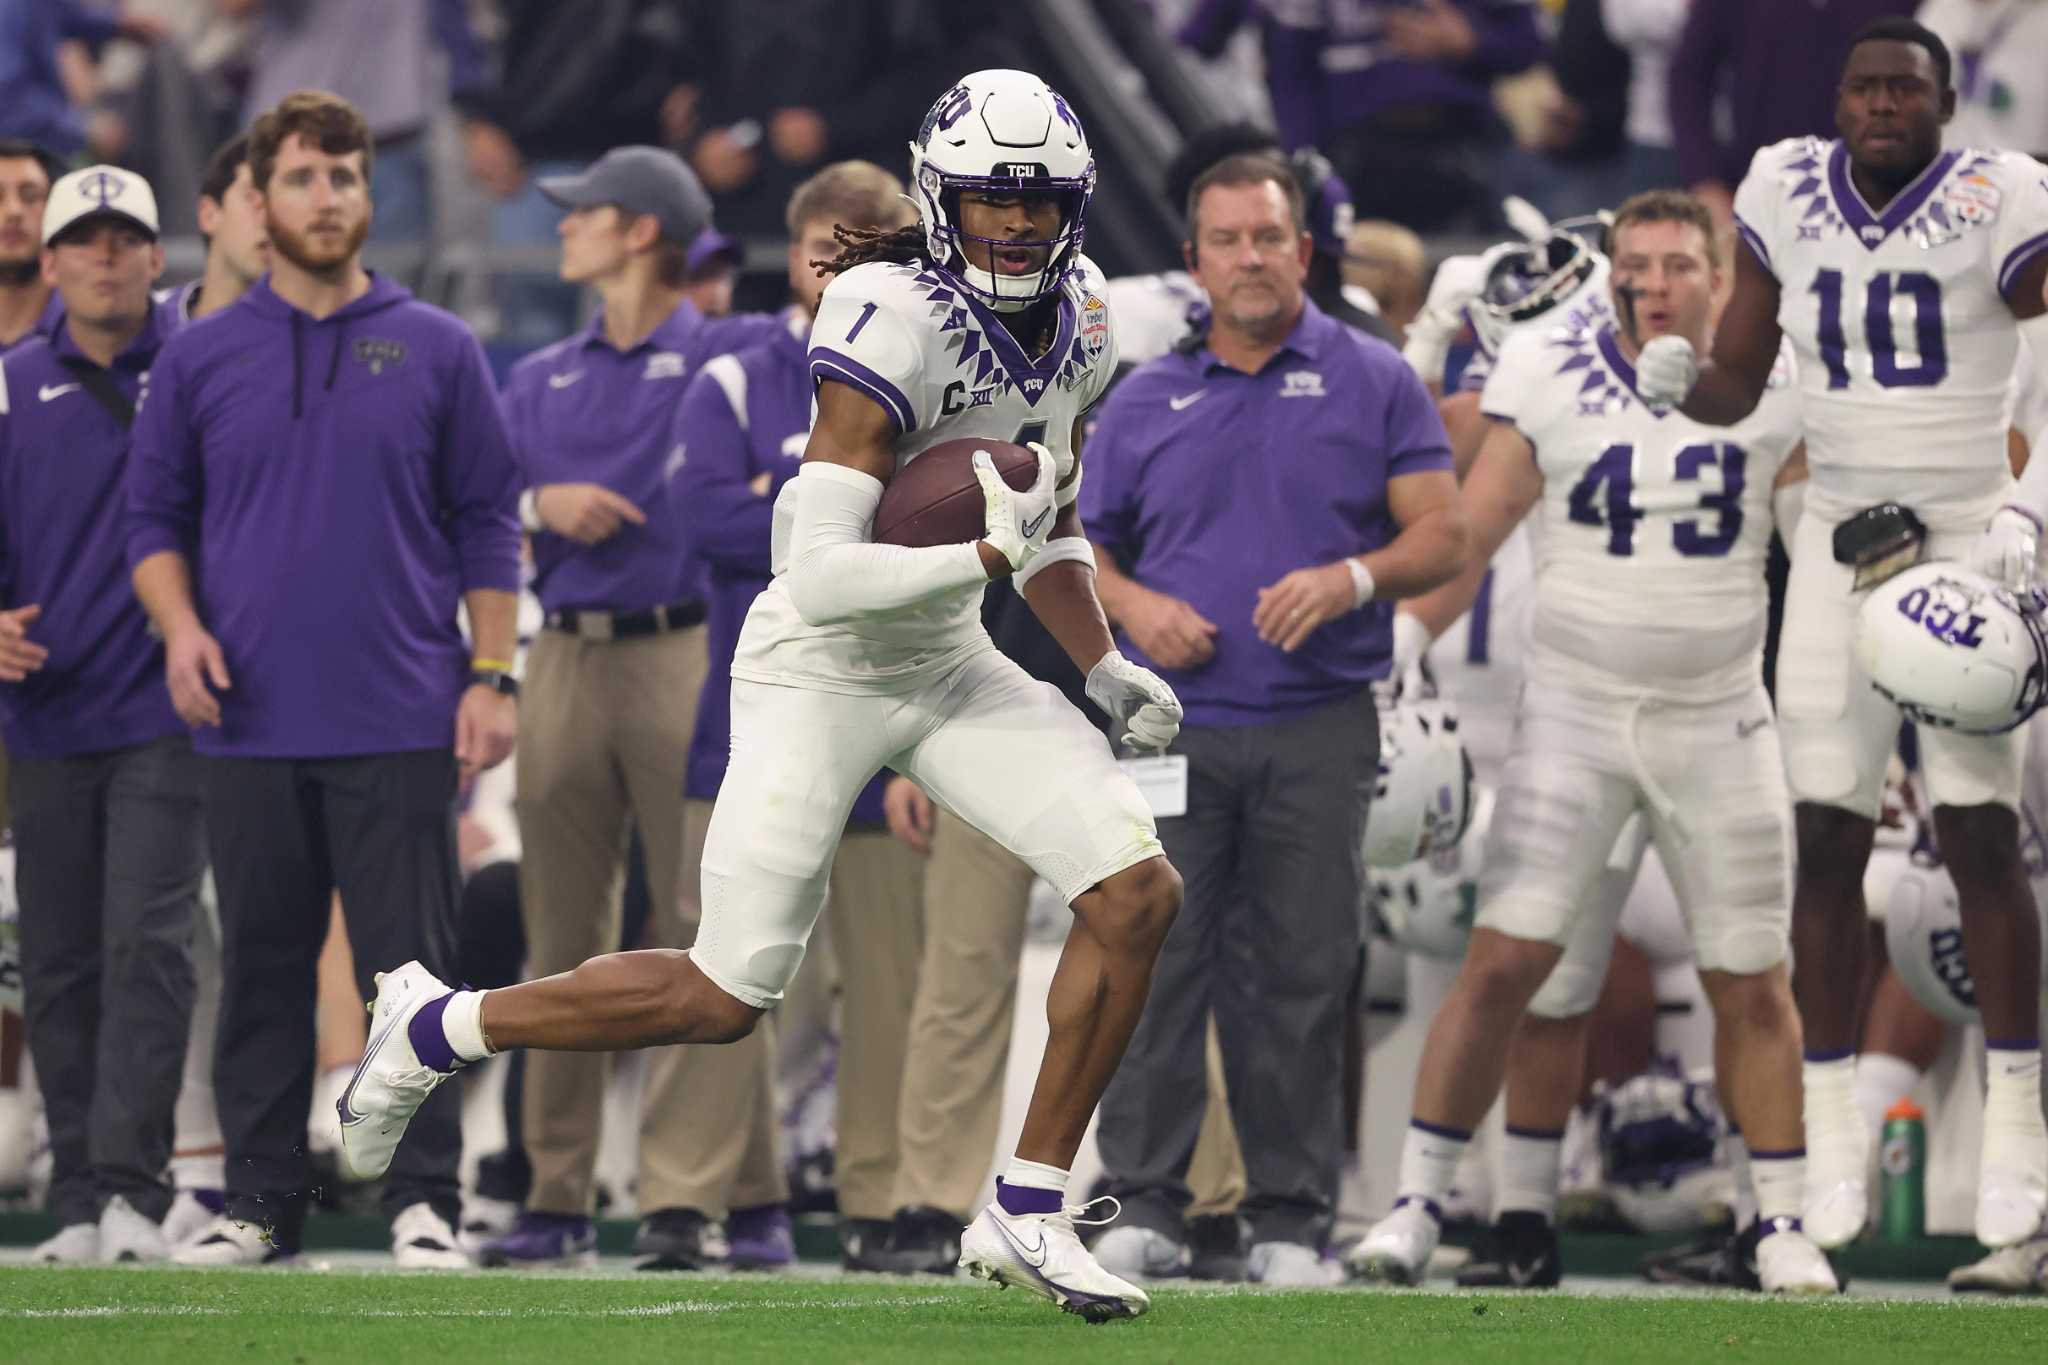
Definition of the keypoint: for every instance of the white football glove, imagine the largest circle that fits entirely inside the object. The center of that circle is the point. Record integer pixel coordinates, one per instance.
(1146, 712)
(2008, 550)
(1666, 370)
(1457, 282)
(1018, 523)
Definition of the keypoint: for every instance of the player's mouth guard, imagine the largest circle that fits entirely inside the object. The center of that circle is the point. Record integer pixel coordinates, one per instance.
(1879, 542)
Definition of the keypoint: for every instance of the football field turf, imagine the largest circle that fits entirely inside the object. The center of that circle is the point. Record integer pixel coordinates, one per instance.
(163, 1317)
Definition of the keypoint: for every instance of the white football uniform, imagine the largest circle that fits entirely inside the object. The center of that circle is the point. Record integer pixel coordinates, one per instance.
(1644, 669)
(1152, 312)
(818, 710)
(1906, 348)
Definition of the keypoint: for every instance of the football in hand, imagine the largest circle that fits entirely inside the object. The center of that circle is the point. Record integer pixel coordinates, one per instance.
(936, 500)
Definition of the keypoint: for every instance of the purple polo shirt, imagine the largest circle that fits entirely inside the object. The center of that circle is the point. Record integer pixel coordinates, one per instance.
(1208, 484)
(747, 415)
(583, 411)
(63, 469)
(45, 324)
(336, 485)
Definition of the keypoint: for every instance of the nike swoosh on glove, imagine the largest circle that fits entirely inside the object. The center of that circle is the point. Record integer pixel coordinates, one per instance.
(1666, 370)
(1146, 712)
(1018, 524)
(2008, 550)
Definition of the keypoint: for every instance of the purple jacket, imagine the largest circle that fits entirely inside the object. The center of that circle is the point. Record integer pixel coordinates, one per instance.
(336, 484)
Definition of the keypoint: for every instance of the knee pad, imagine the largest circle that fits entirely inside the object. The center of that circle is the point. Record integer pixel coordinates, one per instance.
(752, 951)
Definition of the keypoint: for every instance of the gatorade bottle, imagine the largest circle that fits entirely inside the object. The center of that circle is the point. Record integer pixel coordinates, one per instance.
(1903, 1161)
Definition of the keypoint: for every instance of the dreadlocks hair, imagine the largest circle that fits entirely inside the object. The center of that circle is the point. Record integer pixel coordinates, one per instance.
(858, 246)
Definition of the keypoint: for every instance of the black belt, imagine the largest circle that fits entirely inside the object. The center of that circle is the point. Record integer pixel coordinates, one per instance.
(586, 624)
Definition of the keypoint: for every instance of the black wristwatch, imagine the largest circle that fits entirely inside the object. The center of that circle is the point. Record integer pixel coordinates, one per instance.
(499, 681)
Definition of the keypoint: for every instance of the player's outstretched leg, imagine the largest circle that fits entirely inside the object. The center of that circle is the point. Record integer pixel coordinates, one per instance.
(1026, 1237)
(422, 1032)
(1460, 1073)
(1829, 931)
(2002, 937)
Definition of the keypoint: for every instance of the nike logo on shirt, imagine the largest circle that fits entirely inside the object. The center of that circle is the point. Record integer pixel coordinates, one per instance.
(49, 391)
(1187, 400)
(563, 381)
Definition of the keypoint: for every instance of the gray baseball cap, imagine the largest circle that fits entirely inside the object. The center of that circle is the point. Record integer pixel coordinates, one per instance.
(639, 180)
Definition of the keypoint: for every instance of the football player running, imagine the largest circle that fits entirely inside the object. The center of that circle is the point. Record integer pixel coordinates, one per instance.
(1644, 694)
(983, 320)
(1904, 276)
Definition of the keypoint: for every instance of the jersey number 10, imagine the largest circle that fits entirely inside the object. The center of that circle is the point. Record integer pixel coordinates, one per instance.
(1878, 333)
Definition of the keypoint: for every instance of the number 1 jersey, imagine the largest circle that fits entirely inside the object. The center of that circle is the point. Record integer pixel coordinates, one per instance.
(1651, 533)
(944, 368)
(1900, 321)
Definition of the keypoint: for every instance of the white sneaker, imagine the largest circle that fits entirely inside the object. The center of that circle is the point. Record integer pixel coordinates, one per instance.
(484, 1219)
(128, 1235)
(1140, 1253)
(229, 1242)
(2010, 1205)
(2020, 1269)
(74, 1244)
(1836, 1209)
(422, 1240)
(1292, 1265)
(188, 1214)
(1787, 1262)
(1398, 1247)
(17, 1139)
(323, 1124)
(1041, 1253)
(389, 1084)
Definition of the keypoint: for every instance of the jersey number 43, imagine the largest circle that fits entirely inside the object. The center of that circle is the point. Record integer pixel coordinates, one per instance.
(1605, 496)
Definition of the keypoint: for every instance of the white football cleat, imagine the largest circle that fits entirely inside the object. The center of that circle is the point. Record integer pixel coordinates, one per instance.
(1836, 1208)
(1040, 1252)
(128, 1235)
(323, 1124)
(17, 1139)
(74, 1244)
(2021, 1269)
(2010, 1205)
(1787, 1261)
(1134, 1252)
(1291, 1265)
(1398, 1247)
(229, 1242)
(389, 1084)
(422, 1240)
(189, 1213)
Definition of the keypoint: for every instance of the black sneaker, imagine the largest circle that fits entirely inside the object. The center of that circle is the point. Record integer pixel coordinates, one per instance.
(864, 1245)
(679, 1239)
(1216, 1242)
(1718, 1260)
(925, 1241)
(1521, 1253)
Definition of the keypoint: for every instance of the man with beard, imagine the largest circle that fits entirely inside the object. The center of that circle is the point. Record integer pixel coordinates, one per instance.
(320, 477)
(28, 305)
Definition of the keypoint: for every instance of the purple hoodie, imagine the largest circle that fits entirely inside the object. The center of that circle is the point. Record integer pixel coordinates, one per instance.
(336, 484)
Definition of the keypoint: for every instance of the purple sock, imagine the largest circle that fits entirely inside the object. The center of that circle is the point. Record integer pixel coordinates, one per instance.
(429, 1039)
(1017, 1199)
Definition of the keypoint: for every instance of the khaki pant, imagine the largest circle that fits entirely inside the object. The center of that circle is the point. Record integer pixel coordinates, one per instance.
(603, 735)
(976, 896)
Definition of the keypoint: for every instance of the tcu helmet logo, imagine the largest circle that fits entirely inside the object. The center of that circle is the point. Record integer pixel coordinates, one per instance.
(1951, 968)
(950, 109)
(1947, 618)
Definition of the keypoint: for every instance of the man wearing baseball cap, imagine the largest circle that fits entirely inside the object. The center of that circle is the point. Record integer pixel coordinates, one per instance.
(106, 803)
(610, 699)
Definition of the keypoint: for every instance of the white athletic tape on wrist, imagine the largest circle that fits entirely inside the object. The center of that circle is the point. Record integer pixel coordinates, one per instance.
(1065, 550)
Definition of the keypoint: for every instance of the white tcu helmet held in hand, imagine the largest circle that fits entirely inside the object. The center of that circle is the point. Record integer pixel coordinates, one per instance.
(1422, 802)
(1525, 280)
(1923, 928)
(1953, 649)
(1427, 905)
(997, 131)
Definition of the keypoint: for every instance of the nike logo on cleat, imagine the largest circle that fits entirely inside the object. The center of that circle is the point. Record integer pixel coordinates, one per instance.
(1034, 1255)
(1030, 527)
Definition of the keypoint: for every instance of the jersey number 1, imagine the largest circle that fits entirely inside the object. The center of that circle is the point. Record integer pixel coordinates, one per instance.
(1878, 333)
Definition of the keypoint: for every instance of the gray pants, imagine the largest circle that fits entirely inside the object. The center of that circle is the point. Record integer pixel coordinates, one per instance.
(110, 849)
(1268, 940)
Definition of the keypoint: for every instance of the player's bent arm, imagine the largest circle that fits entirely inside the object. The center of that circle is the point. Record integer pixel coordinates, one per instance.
(1788, 493)
(2029, 296)
(1430, 550)
(1059, 584)
(1731, 383)
(836, 573)
(163, 584)
(1466, 425)
(1503, 485)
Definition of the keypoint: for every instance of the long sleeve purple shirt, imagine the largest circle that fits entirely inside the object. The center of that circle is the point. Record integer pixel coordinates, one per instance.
(583, 411)
(744, 416)
(336, 484)
(1328, 66)
(1776, 61)
(1208, 484)
(63, 468)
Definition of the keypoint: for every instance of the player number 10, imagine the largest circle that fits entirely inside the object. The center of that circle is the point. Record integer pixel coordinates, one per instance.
(1878, 330)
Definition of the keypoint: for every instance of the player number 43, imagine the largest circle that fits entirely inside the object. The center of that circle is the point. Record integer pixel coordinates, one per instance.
(1605, 496)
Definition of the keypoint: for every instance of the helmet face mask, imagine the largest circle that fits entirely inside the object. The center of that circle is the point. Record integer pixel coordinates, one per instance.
(1002, 133)
(1524, 281)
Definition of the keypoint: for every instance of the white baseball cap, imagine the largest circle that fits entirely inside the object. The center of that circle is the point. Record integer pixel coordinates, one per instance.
(99, 192)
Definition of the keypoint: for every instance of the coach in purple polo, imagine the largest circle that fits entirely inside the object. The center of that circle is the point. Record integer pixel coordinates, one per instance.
(320, 479)
(611, 689)
(1258, 498)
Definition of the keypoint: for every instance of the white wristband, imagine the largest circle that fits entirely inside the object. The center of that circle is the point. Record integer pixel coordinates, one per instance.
(1361, 583)
(529, 511)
